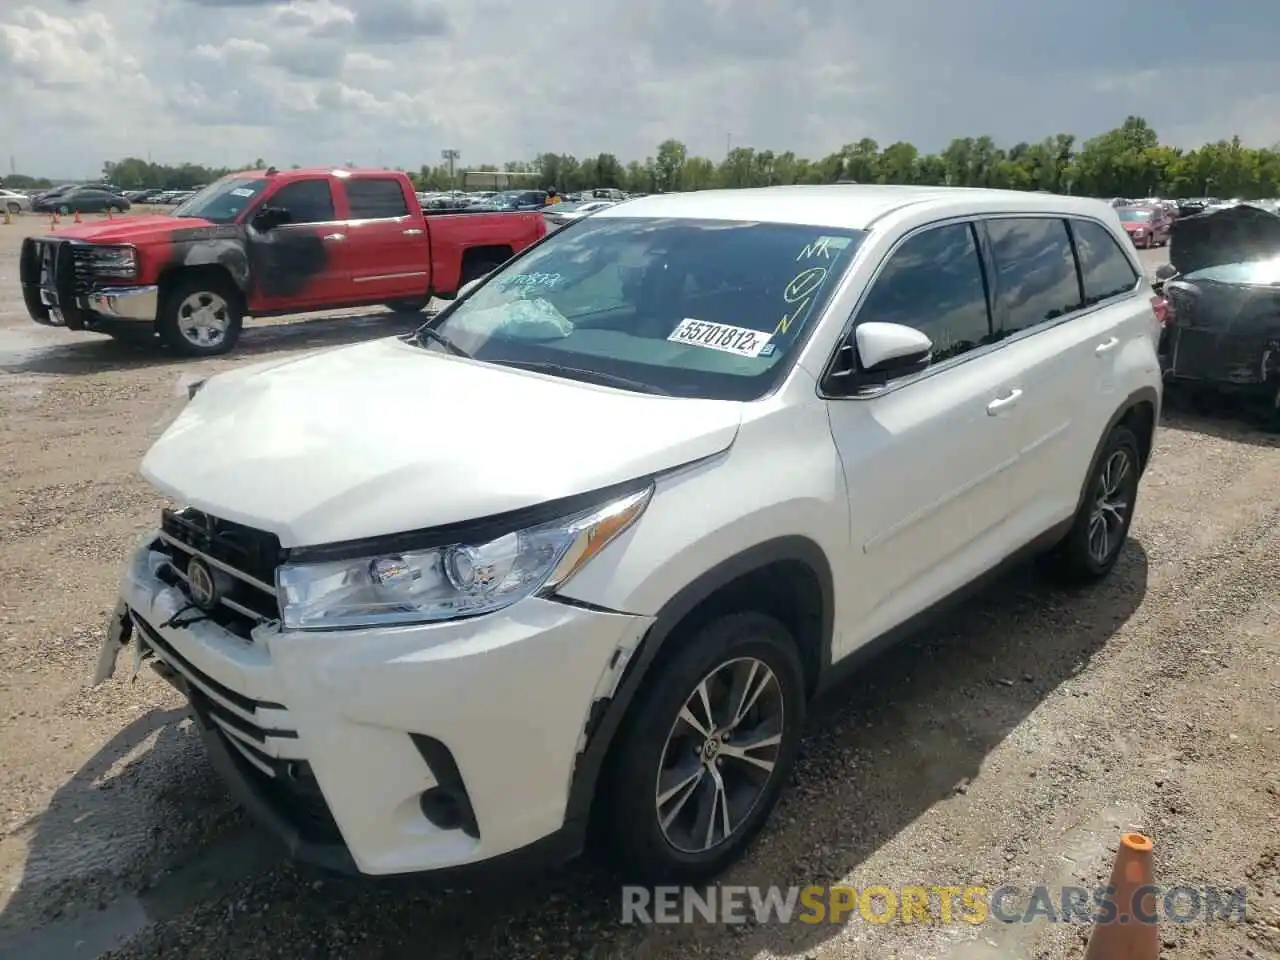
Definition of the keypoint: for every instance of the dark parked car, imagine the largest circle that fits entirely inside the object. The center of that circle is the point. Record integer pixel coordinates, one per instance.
(81, 200)
(519, 200)
(1221, 293)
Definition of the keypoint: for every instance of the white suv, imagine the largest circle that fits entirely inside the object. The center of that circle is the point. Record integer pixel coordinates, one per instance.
(583, 547)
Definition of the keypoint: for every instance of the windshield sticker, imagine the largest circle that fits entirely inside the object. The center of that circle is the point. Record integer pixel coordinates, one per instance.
(740, 341)
(241, 192)
(527, 280)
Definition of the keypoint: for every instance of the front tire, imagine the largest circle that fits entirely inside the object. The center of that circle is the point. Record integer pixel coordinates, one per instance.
(701, 762)
(200, 316)
(1090, 550)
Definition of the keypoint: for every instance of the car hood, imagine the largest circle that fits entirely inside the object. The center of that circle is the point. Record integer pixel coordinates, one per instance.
(130, 229)
(1236, 234)
(385, 437)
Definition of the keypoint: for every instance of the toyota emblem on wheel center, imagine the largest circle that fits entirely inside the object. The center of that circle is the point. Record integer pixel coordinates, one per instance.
(203, 586)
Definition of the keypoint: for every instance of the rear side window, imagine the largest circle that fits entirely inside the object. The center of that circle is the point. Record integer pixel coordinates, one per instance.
(376, 198)
(934, 282)
(1035, 272)
(1105, 269)
(308, 201)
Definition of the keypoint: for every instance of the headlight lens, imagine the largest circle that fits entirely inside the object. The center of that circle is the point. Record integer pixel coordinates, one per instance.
(120, 262)
(444, 583)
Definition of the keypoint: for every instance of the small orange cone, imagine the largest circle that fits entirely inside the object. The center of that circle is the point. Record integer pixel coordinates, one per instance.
(77, 217)
(8, 217)
(1129, 937)
(53, 220)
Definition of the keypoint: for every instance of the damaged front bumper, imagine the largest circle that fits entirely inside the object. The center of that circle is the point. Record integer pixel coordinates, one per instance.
(346, 744)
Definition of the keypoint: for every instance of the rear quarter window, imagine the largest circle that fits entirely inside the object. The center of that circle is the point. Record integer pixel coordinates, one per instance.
(1104, 268)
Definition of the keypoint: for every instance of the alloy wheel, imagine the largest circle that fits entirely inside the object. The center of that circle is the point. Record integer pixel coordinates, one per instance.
(720, 755)
(1111, 507)
(204, 318)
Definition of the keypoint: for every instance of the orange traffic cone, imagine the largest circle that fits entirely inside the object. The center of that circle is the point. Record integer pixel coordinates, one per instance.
(8, 217)
(53, 220)
(77, 217)
(1129, 937)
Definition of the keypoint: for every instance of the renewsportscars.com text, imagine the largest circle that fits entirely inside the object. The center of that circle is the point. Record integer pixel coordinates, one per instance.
(935, 904)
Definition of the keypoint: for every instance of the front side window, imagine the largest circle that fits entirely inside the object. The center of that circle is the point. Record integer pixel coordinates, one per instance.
(1035, 268)
(697, 308)
(934, 283)
(223, 200)
(308, 201)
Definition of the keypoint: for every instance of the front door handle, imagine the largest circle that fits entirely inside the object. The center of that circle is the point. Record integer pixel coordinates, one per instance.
(1000, 404)
(335, 237)
(1106, 345)
(412, 232)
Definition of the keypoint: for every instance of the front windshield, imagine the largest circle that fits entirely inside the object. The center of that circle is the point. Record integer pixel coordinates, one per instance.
(222, 201)
(1135, 216)
(695, 308)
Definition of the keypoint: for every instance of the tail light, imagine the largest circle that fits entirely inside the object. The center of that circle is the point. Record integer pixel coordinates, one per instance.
(1163, 310)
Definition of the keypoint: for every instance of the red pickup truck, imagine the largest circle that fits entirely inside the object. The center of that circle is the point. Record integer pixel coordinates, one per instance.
(262, 243)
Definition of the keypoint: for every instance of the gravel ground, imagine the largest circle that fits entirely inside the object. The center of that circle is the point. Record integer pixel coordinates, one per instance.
(1012, 747)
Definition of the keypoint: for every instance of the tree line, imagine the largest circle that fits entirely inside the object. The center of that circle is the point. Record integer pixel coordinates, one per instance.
(1128, 161)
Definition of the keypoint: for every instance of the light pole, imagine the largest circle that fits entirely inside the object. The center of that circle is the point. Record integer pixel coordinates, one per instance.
(451, 157)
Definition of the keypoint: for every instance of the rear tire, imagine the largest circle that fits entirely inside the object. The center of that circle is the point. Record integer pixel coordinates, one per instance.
(14, 208)
(417, 305)
(1090, 550)
(670, 767)
(200, 316)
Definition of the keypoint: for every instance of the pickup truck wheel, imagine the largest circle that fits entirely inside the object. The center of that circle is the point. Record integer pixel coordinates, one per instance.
(700, 763)
(1090, 550)
(408, 306)
(199, 317)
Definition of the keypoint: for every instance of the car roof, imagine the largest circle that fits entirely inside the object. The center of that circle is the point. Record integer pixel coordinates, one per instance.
(847, 206)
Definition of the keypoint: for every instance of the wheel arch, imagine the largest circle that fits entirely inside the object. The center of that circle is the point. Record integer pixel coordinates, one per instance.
(180, 272)
(1139, 413)
(787, 577)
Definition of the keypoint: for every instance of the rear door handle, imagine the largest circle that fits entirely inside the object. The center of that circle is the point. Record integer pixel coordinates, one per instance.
(335, 237)
(412, 232)
(1000, 404)
(1106, 345)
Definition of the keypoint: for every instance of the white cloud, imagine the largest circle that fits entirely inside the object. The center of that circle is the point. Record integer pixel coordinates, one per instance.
(395, 81)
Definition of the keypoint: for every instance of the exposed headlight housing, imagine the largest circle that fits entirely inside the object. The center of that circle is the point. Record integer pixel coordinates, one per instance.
(116, 261)
(445, 583)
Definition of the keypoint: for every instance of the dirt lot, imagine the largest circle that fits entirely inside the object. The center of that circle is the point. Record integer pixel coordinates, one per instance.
(1011, 748)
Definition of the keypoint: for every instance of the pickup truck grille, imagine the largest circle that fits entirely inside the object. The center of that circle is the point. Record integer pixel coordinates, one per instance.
(248, 556)
(60, 266)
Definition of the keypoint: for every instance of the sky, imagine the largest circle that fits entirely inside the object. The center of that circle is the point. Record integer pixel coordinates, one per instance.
(395, 82)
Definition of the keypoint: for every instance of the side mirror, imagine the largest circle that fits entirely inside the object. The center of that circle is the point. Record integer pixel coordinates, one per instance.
(888, 350)
(268, 218)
